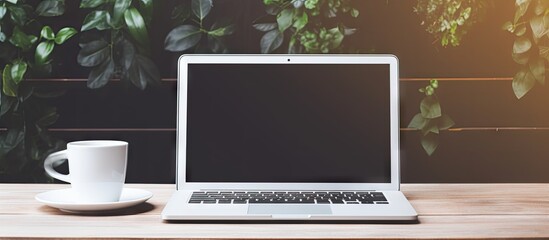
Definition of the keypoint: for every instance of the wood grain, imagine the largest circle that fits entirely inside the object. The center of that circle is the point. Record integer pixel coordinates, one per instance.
(456, 211)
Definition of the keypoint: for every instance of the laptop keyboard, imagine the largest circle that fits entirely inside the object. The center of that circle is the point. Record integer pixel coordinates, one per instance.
(251, 197)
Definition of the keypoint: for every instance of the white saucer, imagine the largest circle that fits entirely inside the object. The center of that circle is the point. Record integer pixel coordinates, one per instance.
(64, 200)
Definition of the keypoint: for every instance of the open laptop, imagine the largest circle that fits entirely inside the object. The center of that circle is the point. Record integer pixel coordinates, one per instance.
(288, 137)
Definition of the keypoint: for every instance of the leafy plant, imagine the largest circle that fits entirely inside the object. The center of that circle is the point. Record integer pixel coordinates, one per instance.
(119, 45)
(449, 20)
(192, 29)
(430, 121)
(25, 49)
(531, 47)
(302, 24)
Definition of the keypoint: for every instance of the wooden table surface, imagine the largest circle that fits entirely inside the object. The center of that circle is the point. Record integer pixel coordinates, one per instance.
(445, 211)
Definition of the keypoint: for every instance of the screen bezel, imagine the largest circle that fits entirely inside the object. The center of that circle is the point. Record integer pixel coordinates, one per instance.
(181, 141)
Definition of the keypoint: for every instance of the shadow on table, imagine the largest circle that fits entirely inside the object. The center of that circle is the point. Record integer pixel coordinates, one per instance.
(134, 210)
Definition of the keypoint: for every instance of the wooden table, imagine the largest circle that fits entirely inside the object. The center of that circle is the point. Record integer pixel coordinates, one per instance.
(445, 211)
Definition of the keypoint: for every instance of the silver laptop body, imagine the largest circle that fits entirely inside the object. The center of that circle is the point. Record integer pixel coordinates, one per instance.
(288, 137)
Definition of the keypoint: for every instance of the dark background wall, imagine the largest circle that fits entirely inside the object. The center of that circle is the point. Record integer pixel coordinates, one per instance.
(475, 90)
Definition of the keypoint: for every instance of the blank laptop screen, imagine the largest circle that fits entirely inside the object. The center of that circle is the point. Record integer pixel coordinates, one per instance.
(302, 123)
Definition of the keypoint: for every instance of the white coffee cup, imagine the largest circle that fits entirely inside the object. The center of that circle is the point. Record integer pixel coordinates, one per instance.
(97, 169)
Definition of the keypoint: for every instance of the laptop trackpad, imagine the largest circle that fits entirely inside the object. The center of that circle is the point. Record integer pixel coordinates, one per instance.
(288, 209)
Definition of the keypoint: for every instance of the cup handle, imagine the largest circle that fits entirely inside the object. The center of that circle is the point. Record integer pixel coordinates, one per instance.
(53, 159)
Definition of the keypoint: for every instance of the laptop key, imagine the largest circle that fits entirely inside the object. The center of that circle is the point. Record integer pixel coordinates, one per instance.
(239, 202)
(195, 201)
(224, 201)
(382, 202)
(379, 199)
(209, 201)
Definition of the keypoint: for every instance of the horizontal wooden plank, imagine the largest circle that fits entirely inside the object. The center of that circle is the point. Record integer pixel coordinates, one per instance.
(427, 199)
(478, 199)
(151, 226)
(450, 211)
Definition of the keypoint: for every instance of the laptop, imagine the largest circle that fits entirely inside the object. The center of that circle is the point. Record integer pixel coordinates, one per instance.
(288, 137)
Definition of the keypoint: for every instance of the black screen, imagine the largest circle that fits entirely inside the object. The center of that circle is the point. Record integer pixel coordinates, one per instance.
(288, 123)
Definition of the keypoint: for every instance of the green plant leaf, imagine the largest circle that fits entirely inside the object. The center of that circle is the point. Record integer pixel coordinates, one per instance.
(522, 7)
(11, 139)
(431, 126)
(520, 31)
(93, 53)
(537, 68)
(417, 122)
(445, 122)
(293, 48)
(146, 8)
(201, 8)
(273, 9)
(222, 31)
(522, 45)
(285, 19)
(298, 3)
(47, 33)
(508, 26)
(301, 21)
(182, 38)
(18, 15)
(345, 30)
(271, 41)
(3, 11)
(137, 28)
(64, 34)
(96, 19)
(7, 103)
(539, 26)
(541, 7)
(265, 27)
(521, 58)
(544, 52)
(51, 8)
(120, 7)
(100, 75)
(18, 70)
(145, 71)
(523, 82)
(48, 118)
(337, 37)
(43, 51)
(429, 143)
(127, 55)
(354, 13)
(430, 107)
(21, 39)
(91, 3)
(9, 87)
(216, 45)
